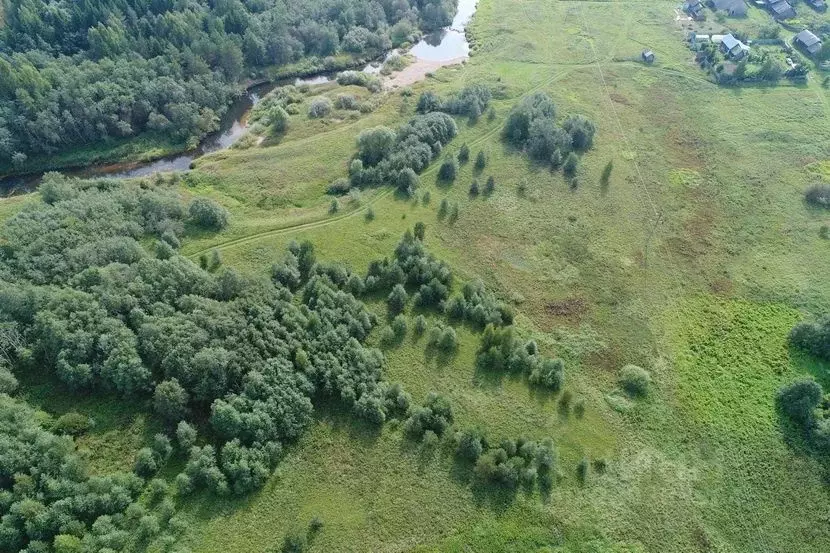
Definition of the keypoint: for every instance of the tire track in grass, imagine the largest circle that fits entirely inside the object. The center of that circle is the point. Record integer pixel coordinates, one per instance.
(657, 217)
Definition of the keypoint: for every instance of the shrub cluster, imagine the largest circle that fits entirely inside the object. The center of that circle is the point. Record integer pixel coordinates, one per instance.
(510, 463)
(385, 156)
(435, 416)
(412, 267)
(502, 351)
(272, 112)
(359, 78)
(472, 101)
(478, 306)
(805, 404)
(531, 126)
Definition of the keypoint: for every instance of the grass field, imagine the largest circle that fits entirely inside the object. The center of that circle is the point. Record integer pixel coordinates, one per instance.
(694, 261)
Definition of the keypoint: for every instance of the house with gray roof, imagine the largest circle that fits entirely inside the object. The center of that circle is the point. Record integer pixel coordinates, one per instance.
(694, 8)
(808, 41)
(782, 10)
(733, 8)
(733, 48)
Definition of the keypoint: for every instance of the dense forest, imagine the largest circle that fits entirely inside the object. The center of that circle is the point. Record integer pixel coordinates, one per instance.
(79, 73)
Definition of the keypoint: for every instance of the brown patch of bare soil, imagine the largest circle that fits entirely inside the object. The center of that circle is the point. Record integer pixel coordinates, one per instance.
(418, 71)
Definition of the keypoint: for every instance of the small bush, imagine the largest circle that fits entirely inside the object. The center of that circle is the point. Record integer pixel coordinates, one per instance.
(453, 213)
(490, 186)
(799, 399)
(470, 445)
(397, 299)
(571, 163)
(474, 190)
(73, 424)
(420, 231)
(420, 325)
(635, 380)
(387, 336)
(370, 214)
(320, 107)
(315, 525)
(334, 207)
(481, 161)
(208, 214)
(430, 440)
(399, 327)
(582, 470)
(443, 208)
(340, 186)
(443, 338)
(294, 542)
(818, 195)
(346, 101)
(464, 154)
(448, 170)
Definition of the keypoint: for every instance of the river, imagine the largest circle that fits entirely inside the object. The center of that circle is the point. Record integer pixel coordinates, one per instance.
(448, 44)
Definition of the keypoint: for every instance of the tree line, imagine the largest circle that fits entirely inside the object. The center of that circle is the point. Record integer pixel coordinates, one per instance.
(75, 74)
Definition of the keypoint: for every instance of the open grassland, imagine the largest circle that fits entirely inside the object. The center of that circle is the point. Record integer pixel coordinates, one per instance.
(694, 261)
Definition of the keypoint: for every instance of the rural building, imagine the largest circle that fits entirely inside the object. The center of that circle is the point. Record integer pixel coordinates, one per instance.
(819, 5)
(808, 41)
(733, 8)
(648, 56)
(696, 41)
(733, 48)
(782, 10)
(694, 8)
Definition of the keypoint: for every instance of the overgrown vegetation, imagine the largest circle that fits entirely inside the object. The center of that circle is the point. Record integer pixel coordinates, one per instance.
(385, 156)
(472, 101)
(531, 126)
(50, 503)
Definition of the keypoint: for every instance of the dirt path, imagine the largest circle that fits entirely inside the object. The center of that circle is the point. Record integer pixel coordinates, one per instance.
(235, 242)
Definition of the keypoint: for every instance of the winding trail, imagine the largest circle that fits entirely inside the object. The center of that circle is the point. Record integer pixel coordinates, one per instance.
(311, 225)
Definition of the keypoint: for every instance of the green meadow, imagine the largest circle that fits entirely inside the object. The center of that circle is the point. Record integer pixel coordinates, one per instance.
(693, 260)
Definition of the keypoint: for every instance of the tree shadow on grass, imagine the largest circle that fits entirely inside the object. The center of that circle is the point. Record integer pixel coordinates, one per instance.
(485, 494)
(441, 357)
(342, 420)
(540, 395)
(493, 496)
(495, 378)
